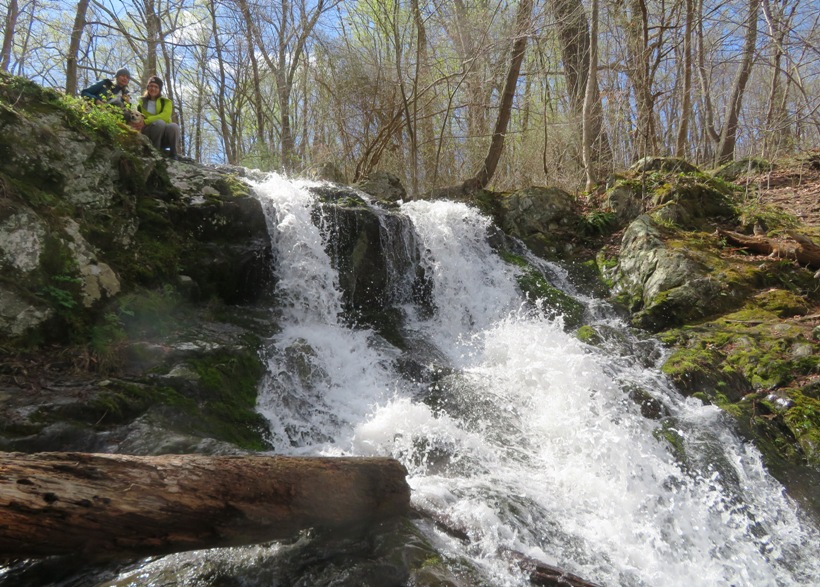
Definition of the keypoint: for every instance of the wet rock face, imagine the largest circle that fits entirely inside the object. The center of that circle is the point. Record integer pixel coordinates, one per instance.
(376, 253)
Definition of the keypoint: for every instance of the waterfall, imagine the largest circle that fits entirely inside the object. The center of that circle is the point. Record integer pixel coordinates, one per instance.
(527, 440)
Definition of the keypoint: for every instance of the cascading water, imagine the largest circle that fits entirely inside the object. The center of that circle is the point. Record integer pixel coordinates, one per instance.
(528, 441)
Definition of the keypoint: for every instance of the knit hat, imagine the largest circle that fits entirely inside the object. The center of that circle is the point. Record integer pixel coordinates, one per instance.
(123, 71)
(155, 80)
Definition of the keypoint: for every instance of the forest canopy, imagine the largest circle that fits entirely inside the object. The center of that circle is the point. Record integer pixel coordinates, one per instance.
(555, 91)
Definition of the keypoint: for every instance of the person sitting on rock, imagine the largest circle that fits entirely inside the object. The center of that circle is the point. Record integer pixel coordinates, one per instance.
(106, 91)
(157, 111)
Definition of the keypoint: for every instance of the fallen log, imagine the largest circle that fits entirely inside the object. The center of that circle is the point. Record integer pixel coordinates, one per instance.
(798, 248)
(104, 506)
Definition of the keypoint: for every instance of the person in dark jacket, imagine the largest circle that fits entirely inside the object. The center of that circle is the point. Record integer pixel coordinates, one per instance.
(110, 92)
(157, 111)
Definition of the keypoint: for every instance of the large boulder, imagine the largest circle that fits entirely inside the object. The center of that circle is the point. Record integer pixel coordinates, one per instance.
(89, 209)
(686, 198)
(545, 218)
(537, 210)
(665, 284)
(663, 164)
(384, 186)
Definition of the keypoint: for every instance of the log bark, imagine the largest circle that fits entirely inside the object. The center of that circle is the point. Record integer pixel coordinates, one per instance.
(116, 506)
(798, 248)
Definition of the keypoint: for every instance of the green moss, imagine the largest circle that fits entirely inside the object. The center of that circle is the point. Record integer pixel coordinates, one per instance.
(154, 256)
(668, 433)
(538, 289)
(775, 219)
(552, 300)
(734, 169)
(803, 420)
(588, 335)
(489, 203)
(228, 406)
(233, 187)
(220, 404)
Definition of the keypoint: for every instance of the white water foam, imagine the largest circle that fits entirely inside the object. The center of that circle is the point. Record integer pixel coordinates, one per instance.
(530, 442)
(322, 376)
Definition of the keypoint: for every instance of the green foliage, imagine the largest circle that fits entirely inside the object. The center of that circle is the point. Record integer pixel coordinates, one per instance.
(85, 116)
(61, 283)
(61, 297)
(147, 313)
(107, 341)
(598, 222)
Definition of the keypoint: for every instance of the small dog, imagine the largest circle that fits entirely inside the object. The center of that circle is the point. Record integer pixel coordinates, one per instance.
(134, 119)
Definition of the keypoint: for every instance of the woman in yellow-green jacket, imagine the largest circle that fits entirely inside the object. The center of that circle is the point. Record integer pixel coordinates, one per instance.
(157, 111)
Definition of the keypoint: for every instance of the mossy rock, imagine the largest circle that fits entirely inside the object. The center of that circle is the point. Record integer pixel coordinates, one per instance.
(689, 199)
(803, 419)
(705, 371)
(588, 335)
(746, 166)
(751, 343)
(547, 297)
(664, 164)
(782, 303)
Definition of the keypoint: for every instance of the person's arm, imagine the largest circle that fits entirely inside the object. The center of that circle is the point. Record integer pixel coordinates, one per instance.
(94, 91)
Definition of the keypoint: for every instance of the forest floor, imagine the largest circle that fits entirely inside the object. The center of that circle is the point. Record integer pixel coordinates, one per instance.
(792, 186)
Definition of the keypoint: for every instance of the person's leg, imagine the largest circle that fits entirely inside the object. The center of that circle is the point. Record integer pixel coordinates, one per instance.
(155, 131)
(170, 138)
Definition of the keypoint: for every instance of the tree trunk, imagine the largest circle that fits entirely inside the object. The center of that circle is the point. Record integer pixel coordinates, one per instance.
(485, 174)
(74, 48)
(469, 56)
(587, 121)
(728, 135)
(12, 15)
(703, 75)
(573, 36)
(117, 506)
(777, 119)
(641, 75)
(221, 109)
(152, 33)
(686, 101)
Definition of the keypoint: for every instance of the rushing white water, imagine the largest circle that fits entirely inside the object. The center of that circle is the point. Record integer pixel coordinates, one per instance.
(529, 441)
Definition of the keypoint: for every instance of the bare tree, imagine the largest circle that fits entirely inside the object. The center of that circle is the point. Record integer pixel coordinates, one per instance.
(587, 136)
(293, 29)
(777, 131)
(728, 136)
(519, 46)
(686, 98)
(74, 48)
(574, 39)
(12, 15)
